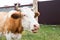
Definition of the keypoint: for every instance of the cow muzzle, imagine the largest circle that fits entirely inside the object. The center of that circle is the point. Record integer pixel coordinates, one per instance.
(35, 30)
(15, 16)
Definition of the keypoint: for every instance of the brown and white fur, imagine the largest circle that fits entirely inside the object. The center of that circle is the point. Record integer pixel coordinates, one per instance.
(13, 23)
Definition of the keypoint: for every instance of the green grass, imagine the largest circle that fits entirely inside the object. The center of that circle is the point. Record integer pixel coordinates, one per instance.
(46, 32)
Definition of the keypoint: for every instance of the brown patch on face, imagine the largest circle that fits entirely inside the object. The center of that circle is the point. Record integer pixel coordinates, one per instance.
(16, 15)
(36, 14)
(13, 25)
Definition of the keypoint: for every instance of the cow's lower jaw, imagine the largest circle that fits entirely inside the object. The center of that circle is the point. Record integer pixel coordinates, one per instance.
(35, 30)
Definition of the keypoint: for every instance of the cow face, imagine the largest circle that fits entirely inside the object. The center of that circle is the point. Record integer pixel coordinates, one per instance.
(28, 21)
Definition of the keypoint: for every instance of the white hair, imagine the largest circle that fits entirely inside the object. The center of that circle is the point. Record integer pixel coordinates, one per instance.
(28, 20)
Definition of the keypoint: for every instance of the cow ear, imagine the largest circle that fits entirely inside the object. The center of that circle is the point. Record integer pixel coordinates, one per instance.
(32, 9)
(36, 14)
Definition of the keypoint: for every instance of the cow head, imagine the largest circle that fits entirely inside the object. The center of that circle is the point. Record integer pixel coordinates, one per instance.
(28, 20)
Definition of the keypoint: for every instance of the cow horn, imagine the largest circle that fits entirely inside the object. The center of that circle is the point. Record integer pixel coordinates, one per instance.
(17, 5)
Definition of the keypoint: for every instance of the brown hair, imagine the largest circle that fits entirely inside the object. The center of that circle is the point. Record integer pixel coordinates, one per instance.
(36, 14)
(13, 25)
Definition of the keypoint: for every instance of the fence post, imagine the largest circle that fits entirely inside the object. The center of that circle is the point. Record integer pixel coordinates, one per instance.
(35, 7)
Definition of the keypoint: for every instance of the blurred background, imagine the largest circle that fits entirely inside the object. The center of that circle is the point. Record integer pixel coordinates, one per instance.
(49, 9)
(50, 12)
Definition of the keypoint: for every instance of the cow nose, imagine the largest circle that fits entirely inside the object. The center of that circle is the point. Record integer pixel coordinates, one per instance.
(35, 30)
(36, 26)
(15, 16)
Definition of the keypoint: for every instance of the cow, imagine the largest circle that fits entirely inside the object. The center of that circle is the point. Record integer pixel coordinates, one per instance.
(13, 23)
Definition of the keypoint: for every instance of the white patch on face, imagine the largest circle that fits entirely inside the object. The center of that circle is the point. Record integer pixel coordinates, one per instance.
(28, 20)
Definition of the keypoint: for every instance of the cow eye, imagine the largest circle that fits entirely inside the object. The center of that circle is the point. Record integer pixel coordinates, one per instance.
(24, 15)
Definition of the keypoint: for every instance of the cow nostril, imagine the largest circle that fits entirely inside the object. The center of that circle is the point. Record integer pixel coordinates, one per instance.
(35, 26)
(15, 16)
